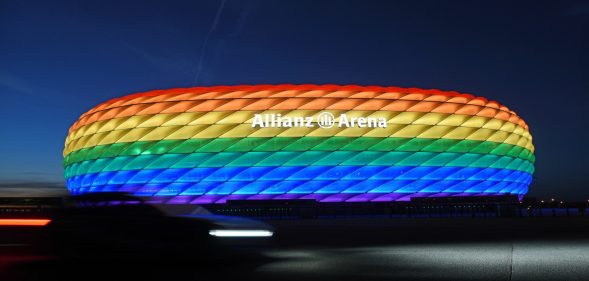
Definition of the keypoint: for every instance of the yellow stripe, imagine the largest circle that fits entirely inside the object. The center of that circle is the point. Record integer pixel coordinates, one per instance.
(245, 117)
(245, 130)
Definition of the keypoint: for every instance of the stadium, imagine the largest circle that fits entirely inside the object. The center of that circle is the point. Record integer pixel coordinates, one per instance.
(208, 145)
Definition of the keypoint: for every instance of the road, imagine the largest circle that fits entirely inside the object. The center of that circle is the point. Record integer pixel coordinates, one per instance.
(461, 261)
(365, 249)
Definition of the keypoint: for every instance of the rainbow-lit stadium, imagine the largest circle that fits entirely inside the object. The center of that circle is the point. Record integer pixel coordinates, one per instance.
(329, 143)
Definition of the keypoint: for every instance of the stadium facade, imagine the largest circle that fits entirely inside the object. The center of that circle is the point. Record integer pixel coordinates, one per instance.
(329, 143)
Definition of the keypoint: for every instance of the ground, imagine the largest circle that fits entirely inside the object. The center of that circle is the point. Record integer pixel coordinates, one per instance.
(360, 249)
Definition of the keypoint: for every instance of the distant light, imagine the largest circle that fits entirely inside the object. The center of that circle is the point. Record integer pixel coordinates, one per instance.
(240, 233)
(24, 222)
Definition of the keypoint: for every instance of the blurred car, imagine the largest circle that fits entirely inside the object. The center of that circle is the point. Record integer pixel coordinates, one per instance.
(118, 225)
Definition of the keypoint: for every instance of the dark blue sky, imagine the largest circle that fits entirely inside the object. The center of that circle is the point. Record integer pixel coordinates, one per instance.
(60, 58)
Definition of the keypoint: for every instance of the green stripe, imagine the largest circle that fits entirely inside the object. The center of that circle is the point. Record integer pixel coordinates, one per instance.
(298, 158)
(297, 144)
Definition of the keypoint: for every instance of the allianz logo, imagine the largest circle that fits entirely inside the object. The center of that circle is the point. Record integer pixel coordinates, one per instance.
(323, 120)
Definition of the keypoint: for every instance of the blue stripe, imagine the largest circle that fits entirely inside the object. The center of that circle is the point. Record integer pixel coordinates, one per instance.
(314, 187)
(309, 179)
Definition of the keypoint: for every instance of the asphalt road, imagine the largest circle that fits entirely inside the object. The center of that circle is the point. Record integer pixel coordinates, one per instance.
(432, 249)
(562, 260)
(361, 249)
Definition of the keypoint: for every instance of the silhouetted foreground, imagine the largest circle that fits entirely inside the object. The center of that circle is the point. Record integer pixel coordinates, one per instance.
(359, 249)
(117, 224)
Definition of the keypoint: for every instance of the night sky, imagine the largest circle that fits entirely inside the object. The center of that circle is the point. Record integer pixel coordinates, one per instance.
(60, 58)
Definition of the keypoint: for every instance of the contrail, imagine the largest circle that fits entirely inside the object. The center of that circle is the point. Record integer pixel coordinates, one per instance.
(204, 44)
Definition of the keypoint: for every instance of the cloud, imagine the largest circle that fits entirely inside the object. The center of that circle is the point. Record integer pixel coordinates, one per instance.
(162, 62)
(234, 16)
(203, 48)
(17, 84)
(27, 88)
(32, 189)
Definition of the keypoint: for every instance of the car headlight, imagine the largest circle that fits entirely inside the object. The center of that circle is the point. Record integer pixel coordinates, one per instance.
(240, 233)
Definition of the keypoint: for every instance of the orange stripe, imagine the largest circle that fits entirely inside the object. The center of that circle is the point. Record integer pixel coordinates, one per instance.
(219, 91)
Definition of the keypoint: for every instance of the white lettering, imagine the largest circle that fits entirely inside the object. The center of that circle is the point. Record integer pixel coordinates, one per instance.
(258, 121)
(309, 122)
(382, 122)
(279, 121)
